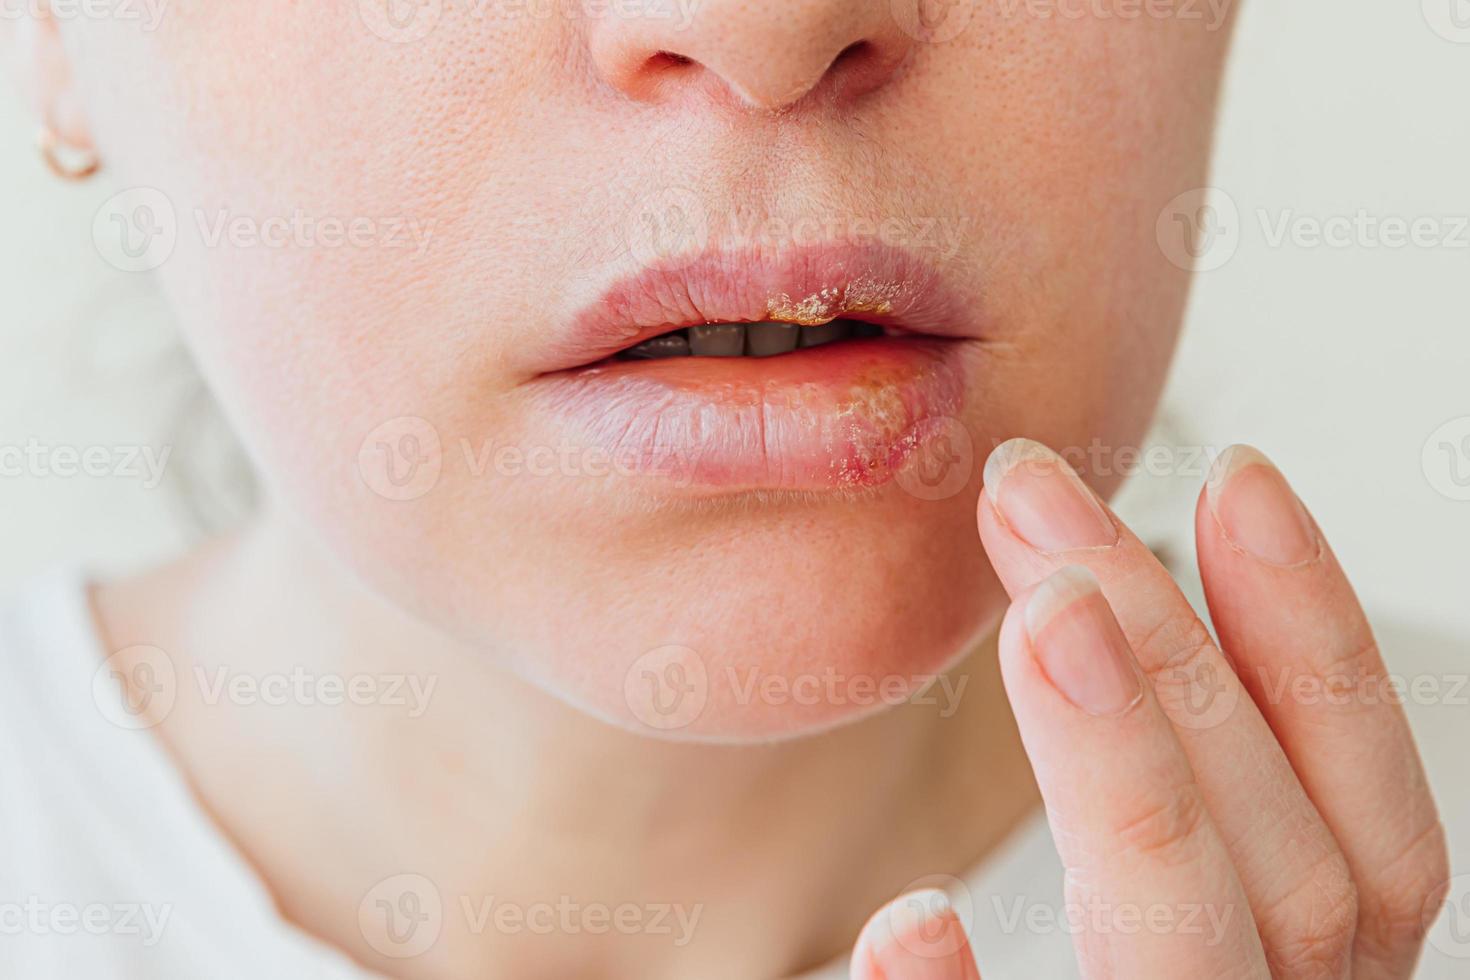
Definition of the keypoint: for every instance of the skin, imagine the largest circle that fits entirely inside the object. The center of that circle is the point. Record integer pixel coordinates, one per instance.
(1308, 817)
(1008, 156)
(523, 147)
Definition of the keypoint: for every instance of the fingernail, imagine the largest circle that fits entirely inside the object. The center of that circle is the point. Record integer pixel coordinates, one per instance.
(1079, 645)
(1044, 501)
(916, 936)
(1254, 506)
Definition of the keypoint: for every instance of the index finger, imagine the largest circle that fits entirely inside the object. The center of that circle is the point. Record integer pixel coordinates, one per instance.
(1152, 890)
(1036, 516)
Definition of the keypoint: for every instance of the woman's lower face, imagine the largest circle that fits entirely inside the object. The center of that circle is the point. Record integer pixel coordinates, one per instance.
(655, 353)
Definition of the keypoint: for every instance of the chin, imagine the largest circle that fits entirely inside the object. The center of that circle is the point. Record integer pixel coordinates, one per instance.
(778, 620)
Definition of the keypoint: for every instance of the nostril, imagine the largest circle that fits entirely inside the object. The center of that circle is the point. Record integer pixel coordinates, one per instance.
(663, 66)
(668, 63)
(855, 52)
(768, 55)
(863, 66)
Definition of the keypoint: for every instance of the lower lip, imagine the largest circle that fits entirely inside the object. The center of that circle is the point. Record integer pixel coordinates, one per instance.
(840, 417)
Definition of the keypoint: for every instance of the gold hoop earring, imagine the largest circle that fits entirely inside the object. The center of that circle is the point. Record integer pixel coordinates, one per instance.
(53, 151)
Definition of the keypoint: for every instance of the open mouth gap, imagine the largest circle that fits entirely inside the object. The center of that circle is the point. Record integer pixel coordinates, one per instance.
(768, 338)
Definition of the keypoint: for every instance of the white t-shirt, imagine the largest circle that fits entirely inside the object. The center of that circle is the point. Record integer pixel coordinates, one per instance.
(109, 868)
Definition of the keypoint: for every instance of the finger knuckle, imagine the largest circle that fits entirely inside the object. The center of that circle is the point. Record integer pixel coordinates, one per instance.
(1347, 678)
(1166, 826)
(1172, 651)
(1309, 932)
(1398, 904)
(1182, 662)
(1356, 660)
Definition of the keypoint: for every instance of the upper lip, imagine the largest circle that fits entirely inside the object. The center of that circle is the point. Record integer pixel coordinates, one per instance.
(806, 285)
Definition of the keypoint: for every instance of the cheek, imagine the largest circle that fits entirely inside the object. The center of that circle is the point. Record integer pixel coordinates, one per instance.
(1086, 139)
(319, 208)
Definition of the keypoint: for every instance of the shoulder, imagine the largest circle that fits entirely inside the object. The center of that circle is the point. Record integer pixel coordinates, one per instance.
(46, 639)
(110, 867)
(56, 733)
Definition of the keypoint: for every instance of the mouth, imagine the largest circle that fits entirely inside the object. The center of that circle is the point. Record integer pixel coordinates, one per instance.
(769, 338)
(807, 370)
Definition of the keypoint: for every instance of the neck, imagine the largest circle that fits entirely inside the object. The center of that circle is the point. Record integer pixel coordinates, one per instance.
(556, 844)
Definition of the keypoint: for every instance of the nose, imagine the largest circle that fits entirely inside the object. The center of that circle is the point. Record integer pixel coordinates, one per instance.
(768, 54)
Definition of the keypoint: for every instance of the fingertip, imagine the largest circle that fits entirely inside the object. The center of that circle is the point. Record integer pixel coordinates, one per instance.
(1255, 511)
(1235, 458)
(917, 936)
(1062, 635)
(994, 535)
(984, 510)
(1018, 668)
(1012, 641)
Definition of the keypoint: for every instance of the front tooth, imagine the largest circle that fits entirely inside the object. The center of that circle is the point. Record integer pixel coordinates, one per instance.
(657, 348)
(717, 340)
(863, 329)
(824, 333)
(769, 339)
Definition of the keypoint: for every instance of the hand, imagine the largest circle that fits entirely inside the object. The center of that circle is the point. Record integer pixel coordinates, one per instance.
(1179, 774)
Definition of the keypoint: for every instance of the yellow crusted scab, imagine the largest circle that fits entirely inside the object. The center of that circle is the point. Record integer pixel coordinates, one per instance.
(868, 296)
